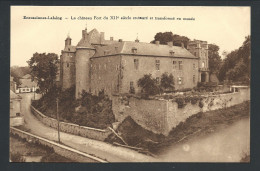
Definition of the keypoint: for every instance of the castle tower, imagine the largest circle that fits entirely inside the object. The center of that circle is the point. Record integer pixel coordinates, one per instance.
(84, 51)
(200, 49)
(67, 65)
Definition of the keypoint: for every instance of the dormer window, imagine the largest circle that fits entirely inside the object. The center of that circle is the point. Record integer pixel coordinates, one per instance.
(134, 50)
(171, 53)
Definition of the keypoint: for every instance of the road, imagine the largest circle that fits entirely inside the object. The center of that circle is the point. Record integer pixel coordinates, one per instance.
(97, 148)
(226, 145)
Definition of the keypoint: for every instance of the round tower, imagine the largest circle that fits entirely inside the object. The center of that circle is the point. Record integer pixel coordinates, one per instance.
(84, 51)
(67, 65)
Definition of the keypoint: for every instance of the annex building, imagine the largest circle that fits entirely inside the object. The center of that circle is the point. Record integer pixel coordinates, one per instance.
(116, 65)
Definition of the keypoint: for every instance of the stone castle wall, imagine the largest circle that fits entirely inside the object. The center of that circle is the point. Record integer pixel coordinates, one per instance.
(160, 116)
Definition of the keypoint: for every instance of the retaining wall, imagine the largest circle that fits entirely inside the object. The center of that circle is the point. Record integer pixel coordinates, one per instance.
(88, 132)
(58, 148)
(160, 116)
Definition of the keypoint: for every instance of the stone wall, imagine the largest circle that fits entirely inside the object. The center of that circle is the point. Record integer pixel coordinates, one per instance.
(146, 65)
(160, 116)
(58, 148)
(88, 132)
(150, 114)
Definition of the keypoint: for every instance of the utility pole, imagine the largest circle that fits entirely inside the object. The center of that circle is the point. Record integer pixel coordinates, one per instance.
(58, 119)
(34, 92)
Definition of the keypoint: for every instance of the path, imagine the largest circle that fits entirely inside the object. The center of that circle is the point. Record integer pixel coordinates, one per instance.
(97, 148)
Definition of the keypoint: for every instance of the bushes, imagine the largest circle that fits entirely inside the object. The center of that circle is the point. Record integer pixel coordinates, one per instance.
(182, 101)
(94, 111)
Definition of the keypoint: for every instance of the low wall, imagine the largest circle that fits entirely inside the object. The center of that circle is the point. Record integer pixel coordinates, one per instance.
(58, 148)
(88, 132)
(16, 121)
(160, 116)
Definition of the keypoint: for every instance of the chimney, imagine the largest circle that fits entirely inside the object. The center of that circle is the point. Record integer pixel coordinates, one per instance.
(182, 44)
(157, 42)
(84, 34)
(111, 38)
(120, 40)
(170, 44)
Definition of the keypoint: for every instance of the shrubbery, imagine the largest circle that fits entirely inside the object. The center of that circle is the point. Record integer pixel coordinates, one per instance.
(93, 111)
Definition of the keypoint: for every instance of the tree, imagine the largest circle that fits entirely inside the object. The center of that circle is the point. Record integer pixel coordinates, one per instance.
(44, 69)
(148, 85)
(167, 81)
(214, 58)
(166, 37)
(236, 66)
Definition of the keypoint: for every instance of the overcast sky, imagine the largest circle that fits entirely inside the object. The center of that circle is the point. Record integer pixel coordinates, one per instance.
(224, 26)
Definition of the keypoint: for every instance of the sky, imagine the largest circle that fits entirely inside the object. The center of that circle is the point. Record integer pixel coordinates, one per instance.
(226, 27)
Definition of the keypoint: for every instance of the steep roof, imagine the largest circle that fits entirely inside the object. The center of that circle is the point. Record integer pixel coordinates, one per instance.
(27, 76)
(14, 96)
(70, 48)
(148, 49)
(27, 83)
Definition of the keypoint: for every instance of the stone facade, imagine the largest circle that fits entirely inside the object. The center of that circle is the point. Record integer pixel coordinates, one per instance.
(160, 116)
(97, 64)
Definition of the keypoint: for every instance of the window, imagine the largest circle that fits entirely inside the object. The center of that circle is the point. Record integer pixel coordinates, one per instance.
(180, 65)
(203, 64)
(117, 67)
(171, 53)
(157, 80)
(174, 65)
(194, 66)
(180, 80)
(136, 63)
(131, 84)
(68, 64)
(18, 114)
(157, 65)
(134, 50)
(194, 79)
(195, 54)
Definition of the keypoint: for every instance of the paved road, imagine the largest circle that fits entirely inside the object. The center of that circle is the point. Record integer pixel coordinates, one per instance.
(98, 148)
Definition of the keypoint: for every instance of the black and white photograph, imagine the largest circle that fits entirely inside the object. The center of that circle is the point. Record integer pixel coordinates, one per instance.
(106, 84)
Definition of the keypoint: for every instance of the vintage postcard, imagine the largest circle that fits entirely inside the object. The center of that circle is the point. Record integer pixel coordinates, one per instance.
(130, 84)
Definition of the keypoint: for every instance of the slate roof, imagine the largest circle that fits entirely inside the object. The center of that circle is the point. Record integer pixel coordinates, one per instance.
(70, 48)
(27, 83)
(14, 96)
(148, 49)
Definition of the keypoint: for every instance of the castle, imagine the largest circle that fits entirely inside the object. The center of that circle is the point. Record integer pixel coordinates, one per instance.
(97, 64)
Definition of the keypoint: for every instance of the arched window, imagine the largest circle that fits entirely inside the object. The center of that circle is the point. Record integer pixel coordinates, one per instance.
(203, 64)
